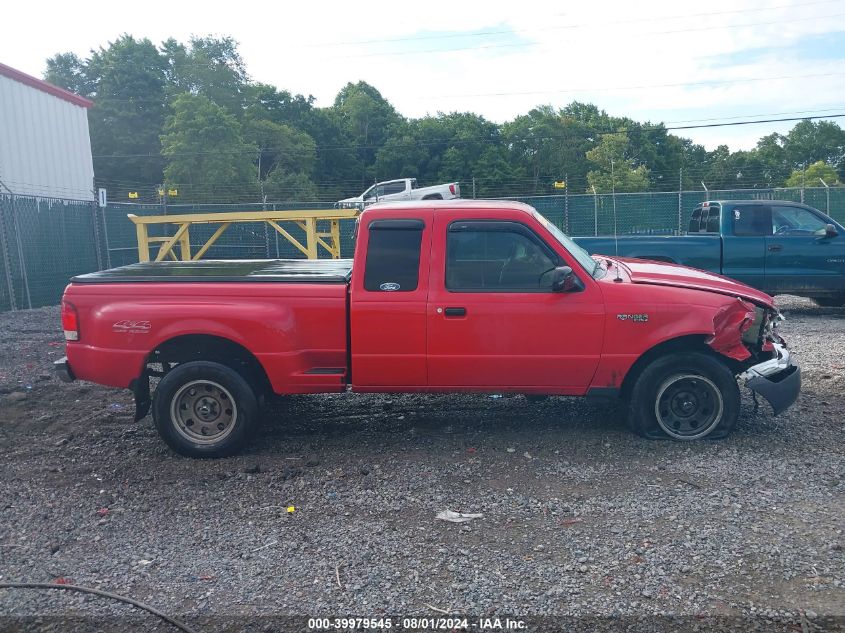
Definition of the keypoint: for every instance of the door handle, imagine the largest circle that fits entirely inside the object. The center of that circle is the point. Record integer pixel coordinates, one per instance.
(455, 312)
(775, 247)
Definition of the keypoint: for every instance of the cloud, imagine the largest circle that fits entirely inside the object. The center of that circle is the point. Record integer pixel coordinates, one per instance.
(654, 59)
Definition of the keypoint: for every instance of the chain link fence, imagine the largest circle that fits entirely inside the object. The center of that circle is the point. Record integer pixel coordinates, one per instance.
(45, 241)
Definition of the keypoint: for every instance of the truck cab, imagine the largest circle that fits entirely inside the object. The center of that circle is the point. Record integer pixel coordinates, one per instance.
(780, 247)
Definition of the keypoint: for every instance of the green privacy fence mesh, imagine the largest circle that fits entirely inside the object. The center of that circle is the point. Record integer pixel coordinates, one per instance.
(44, 241)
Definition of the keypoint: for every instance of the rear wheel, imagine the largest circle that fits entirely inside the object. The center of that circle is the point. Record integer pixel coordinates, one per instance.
(204, 409)
(830, 302)
(684, 396)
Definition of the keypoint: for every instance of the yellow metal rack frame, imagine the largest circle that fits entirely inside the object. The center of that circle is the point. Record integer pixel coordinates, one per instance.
(305, 220)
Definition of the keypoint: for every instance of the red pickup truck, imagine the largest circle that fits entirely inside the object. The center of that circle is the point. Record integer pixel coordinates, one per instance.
(452, 296)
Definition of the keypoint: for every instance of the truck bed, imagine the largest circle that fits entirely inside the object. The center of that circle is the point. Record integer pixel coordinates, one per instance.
(327, 271)
(703, 251)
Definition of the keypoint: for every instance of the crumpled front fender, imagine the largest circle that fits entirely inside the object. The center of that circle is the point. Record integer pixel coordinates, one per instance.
(729, 324)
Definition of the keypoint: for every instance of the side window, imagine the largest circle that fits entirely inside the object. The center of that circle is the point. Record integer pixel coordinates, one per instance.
(712, 225)
(393, 187)
(374, 192)
(695, 220)
(497, 259)
(795, 221)
(750, 220)
(393, 255)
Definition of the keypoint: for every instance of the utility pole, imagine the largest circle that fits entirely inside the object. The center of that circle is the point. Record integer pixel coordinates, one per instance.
(706, 192)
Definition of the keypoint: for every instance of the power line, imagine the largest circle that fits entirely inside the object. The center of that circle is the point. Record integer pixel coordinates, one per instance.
(454, 142)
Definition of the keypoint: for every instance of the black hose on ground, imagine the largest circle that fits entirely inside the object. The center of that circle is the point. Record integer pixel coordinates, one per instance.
(98, 592)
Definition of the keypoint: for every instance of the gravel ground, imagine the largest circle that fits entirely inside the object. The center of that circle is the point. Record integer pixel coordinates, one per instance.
(580, 518)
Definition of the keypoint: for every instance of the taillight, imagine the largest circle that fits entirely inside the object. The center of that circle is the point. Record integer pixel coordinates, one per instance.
(70, 321)
(452, 189)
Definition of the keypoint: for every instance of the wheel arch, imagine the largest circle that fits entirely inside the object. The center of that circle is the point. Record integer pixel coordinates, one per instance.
(211, 347)
(690, 342)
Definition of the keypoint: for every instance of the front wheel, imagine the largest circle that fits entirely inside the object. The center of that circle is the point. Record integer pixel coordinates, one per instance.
(684, 396)
(204, 409)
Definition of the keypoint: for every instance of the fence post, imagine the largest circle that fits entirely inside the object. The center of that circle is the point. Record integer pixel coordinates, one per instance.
(21, 258)
(473, 187)
(680, 198)
(802, 182)
(566, 204)
(95, 225)
(7, 262)
(106, 237)
(596, 211)
(266, 226)
(827, 195)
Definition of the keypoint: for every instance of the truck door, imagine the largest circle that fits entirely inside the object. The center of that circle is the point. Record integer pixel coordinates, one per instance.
(494, 324)
(388, 303)
(743, 228)
(799, 253)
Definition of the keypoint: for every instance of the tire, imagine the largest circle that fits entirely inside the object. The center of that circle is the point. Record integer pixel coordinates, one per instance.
(205, 409)
(830, 302)
(684, 396)
(433, 196)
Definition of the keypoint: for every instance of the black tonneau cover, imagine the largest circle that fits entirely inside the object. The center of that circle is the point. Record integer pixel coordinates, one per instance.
(321, 271)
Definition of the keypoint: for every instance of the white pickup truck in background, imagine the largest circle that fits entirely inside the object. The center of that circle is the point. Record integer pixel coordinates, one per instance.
(402, 189)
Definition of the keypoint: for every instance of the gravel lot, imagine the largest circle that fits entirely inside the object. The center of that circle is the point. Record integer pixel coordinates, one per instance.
(580, 517)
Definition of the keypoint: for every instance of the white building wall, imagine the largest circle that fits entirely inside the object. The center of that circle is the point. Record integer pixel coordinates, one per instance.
(45, 148)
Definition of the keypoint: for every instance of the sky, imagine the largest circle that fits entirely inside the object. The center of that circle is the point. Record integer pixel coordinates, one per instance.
(679, 62)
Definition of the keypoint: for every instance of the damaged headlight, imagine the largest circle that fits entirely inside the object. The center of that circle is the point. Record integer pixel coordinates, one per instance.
(762, 328)
(752, 336)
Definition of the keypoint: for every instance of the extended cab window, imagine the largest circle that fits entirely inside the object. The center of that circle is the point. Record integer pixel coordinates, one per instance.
(393, 187)
(796, 221)
(752, 220)
(393, 255)
(695, 220)
(497, 257)
(712, 225)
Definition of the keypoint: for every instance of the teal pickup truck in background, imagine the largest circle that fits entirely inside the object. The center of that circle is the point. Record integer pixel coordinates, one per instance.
(775, 246)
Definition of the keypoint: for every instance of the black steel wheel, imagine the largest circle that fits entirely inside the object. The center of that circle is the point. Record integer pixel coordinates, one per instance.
(684, 396)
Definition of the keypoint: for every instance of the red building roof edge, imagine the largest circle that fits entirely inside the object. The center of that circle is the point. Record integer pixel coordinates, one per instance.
(40, 84)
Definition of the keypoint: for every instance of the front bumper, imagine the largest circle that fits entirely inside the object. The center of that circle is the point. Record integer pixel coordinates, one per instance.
(63, 371)
(778, 379)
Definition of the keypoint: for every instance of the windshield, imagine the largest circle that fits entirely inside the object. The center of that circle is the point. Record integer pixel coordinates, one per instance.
(583, 257)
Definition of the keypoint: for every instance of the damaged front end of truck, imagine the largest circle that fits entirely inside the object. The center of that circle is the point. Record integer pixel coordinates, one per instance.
(747, 334)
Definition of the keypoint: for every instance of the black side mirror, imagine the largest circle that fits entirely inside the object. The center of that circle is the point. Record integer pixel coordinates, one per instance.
(564, 280)
(830, 231)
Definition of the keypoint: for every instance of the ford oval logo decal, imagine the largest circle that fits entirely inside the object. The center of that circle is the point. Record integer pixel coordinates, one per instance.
(389, 286)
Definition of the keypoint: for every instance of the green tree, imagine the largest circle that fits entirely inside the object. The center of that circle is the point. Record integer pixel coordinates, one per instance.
(206, 153)
(69, 71)
(208, 66)
(810, 176)
(812, 141)
(286, 158)
(615, 171)
(367, 116)
(126, 81)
